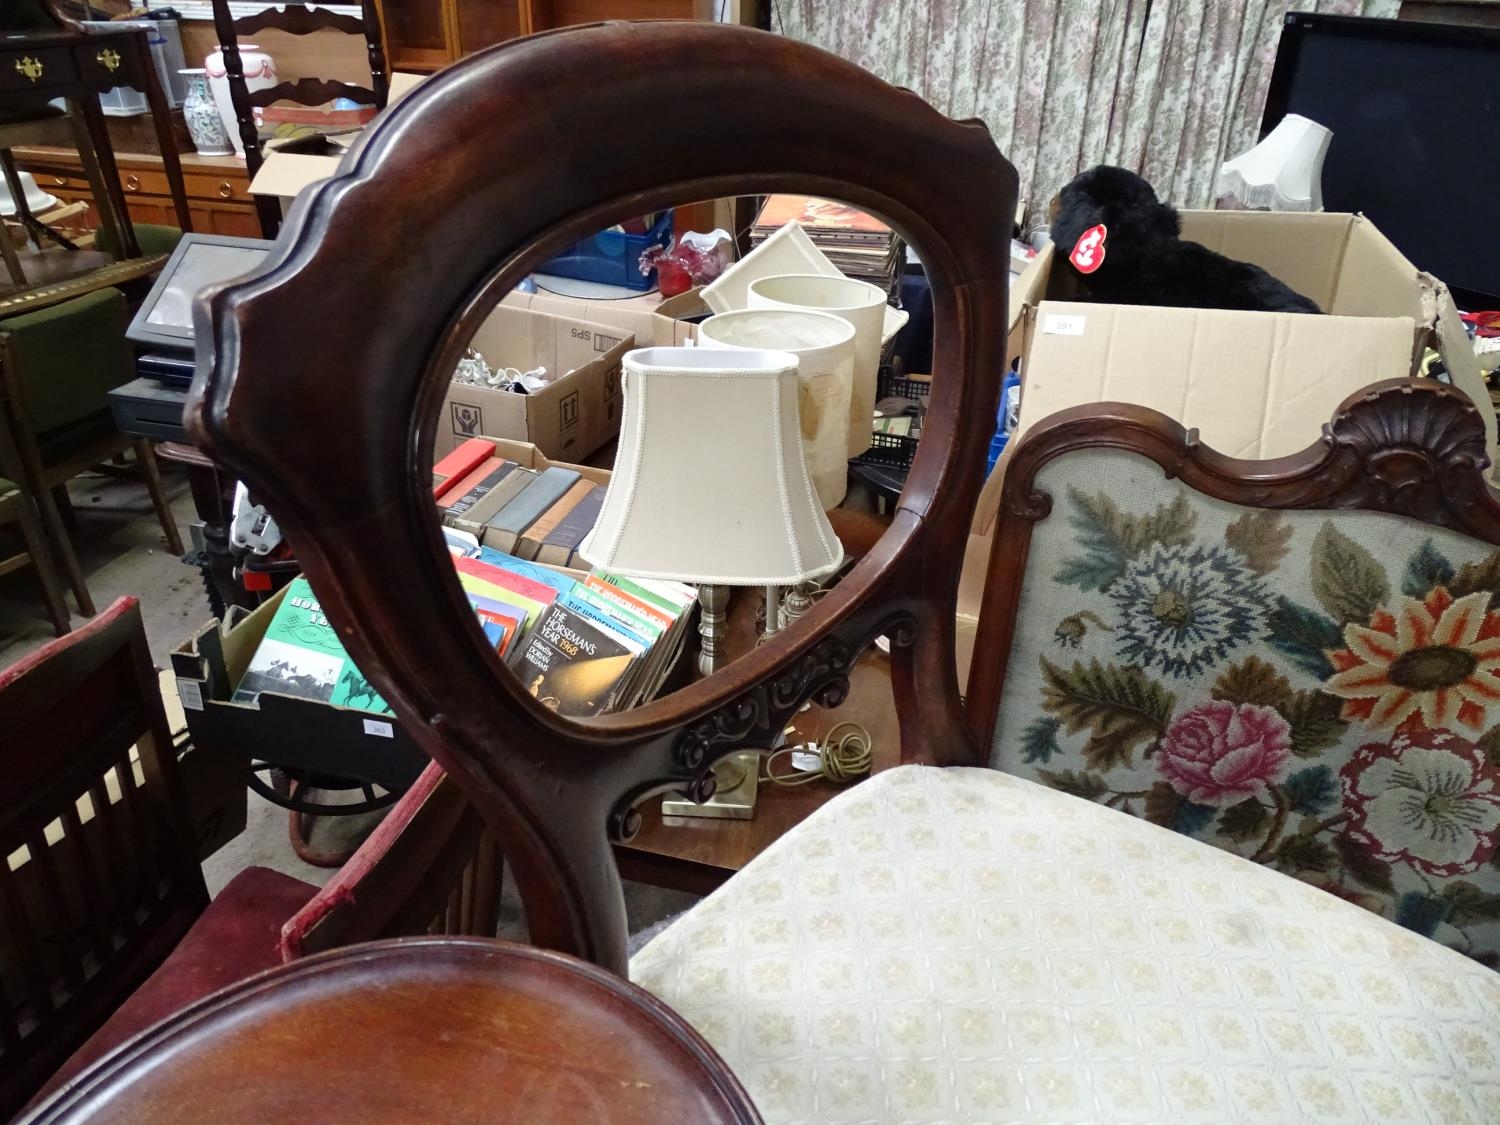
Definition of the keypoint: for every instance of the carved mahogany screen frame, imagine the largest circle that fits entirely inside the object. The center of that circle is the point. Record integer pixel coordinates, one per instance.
(1407, 447)
(326, 370)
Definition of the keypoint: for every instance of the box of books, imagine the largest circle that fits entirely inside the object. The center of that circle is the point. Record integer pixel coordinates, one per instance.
(573, 414)
(510, 496)
(277, 684)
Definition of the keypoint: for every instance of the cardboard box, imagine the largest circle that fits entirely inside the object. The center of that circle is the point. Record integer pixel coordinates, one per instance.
(286, 174)
(529, 456)
(1254, 384)
(302, 734)
(570, 418)
(649, 319)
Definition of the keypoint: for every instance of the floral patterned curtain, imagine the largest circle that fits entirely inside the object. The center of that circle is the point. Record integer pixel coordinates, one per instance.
(1170, 88)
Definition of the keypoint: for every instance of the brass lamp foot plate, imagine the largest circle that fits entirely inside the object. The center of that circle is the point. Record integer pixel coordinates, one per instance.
(739, 781)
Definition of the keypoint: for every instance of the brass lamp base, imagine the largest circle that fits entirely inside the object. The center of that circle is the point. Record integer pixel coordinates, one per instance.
(739, 782)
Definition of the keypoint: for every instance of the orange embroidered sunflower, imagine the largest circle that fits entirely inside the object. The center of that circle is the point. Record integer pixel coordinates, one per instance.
(1438, 658)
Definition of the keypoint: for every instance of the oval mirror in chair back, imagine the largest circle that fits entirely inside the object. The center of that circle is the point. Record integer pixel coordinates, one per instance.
(328, 366)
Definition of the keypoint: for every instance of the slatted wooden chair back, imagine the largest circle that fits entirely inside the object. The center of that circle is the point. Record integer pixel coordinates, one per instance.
(294, 19)
(99, 875)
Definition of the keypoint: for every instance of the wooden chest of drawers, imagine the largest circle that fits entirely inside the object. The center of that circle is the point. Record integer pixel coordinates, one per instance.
(218, 188)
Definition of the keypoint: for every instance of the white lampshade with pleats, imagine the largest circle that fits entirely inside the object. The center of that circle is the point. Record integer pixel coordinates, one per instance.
(710, 483)
(824, 347)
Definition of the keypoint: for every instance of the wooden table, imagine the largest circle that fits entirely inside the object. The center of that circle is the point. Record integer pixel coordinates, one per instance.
(698, 854)
(37, 67)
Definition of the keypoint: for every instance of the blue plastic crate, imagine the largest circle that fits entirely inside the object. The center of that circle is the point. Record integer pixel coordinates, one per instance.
(612, 257)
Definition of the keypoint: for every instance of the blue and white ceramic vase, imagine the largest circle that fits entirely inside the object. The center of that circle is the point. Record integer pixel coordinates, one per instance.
(201, 113)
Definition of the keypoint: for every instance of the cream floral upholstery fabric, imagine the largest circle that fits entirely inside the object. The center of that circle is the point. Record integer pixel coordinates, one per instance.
(1316, 691)
(962, 946)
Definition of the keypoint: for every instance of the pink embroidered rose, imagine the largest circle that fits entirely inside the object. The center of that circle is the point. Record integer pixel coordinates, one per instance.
(1219, 753)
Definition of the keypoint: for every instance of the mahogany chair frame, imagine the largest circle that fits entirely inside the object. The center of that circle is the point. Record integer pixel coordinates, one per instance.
(526, 151)
(1409, 447)
(294, 18)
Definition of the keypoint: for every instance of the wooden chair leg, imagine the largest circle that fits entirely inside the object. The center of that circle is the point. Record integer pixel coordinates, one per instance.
(44, 565)
(146, 455)
(57, 534)
(64, 504)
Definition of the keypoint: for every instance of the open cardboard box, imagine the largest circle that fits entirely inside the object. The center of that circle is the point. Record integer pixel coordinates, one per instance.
(650, 319)
(569, 418)
(285, 175)
(1254, 384)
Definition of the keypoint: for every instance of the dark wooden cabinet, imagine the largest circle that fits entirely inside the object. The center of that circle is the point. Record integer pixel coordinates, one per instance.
(424, 35)
(218, 189)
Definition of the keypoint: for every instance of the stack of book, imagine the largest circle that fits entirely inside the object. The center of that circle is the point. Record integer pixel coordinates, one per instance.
(860, 245)
(534, 515)
(583, 647)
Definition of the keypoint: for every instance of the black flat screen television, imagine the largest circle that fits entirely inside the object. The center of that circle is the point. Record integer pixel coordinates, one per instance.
(1415, 114)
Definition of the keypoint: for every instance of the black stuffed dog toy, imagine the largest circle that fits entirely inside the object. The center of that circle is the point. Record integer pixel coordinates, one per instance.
(1124, 246)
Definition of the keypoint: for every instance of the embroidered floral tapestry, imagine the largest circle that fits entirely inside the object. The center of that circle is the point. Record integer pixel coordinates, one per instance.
(1315, 691)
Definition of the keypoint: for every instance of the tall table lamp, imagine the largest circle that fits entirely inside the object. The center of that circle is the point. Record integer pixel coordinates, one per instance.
(711, 487)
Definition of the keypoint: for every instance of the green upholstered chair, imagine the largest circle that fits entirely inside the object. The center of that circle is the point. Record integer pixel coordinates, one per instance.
(57, 367)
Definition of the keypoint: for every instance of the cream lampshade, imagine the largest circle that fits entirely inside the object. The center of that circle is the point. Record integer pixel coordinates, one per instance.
(858, 302)
(710, 483)
(824, 347)
(1282, 173)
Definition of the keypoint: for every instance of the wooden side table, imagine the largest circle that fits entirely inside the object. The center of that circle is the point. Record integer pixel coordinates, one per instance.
(699, 854)
(416, 1029)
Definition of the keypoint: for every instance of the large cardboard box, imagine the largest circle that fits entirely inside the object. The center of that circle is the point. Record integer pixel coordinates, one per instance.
(571, 417)
(649, 319)
(1255, 384)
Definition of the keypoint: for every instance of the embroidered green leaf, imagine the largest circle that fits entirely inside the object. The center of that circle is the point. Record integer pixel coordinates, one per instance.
(1110, 538)
(1252, 680)
(1303, 853)
(1316, 722)
(1476, 576)
(1243, 821)
(1427, 568)
(1470, 904)
(1039, 740)
(1089, 786)
(1309, 791)
(1422, 912)
(1171, 525)
(1119, 707)
(1261, 538)
(1362, 867)
(1305, 635)
(1100, 527)
(1347, 579)
(1170, 809)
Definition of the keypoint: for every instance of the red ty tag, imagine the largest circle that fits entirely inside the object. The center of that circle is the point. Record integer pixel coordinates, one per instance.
(1088, 252)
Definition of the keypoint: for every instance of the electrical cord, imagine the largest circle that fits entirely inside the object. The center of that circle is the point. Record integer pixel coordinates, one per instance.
(843, 756)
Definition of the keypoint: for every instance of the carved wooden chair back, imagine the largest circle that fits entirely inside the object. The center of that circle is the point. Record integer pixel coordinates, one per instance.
(530, 159)
(99, 875)
(1295, 660)
(293, 19)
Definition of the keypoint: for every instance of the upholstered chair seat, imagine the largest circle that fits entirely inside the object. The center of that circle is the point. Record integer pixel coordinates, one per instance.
(961, 945)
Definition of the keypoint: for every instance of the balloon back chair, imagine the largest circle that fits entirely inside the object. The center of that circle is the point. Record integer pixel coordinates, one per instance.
(942, 942)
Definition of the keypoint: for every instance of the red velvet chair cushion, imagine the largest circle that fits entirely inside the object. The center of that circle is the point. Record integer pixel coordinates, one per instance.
(234, 938)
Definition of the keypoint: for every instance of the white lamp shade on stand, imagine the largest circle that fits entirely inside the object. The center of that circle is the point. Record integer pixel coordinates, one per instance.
(824, 347)
(1282, 173)
(710, 483)
(862, 305)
